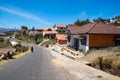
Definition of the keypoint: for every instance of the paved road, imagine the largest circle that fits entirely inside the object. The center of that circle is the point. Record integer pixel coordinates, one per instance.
(32, 66)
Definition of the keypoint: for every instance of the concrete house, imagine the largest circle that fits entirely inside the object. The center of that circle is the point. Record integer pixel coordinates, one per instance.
(24, 30)
(61, 28)
(93, 35)
(49, 33)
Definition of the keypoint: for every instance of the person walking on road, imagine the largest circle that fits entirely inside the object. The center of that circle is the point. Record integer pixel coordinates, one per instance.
(32, 49)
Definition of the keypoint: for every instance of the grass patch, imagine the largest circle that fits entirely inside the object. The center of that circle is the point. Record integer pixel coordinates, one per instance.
(99, 76)
(49, 42)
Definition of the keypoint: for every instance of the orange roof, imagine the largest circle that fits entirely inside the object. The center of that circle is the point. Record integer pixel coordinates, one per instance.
(61, 37)
(46, 29)
(50, 32)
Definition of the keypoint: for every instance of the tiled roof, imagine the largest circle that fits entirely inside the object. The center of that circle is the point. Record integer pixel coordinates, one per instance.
(94, 28)
(61, 37)
(46, 29)
(104, 29)
(74, 29)
(50, 32)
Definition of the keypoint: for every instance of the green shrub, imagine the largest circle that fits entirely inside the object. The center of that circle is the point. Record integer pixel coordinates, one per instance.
(1, 39)
(99, 76)
(17, 46)
(5, 44)
(100, 60)
(114, 49)
(20, 48)
(51, 42)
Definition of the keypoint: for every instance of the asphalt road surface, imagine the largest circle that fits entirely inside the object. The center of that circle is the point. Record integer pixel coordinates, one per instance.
(32, 66)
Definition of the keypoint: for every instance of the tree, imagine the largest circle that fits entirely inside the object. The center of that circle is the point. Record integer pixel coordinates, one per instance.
(113, 18)
(38, 38)
(94, 20)
(80, 23)
(107, 20)
(33, 28)
(1, 39)
(85, 21)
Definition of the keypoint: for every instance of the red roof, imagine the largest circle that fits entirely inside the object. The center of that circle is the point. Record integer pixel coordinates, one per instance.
(94, 28)
(61, 36)
(47, 29)
(50, 32)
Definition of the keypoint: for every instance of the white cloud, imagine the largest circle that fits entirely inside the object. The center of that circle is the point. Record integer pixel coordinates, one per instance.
(83, 15)
(24, 14)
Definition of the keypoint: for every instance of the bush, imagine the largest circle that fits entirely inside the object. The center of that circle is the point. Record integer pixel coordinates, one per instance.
(99, 76)
(1, 39)
(109, 64)
(20, 48)
(5, 44)
(17, 46)
(50, 42)
(116, 67)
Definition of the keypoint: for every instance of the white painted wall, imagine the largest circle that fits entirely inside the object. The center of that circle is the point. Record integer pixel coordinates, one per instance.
(43, 33)
(58, 48)
(84, 47)
(72, 41)
(68, 43)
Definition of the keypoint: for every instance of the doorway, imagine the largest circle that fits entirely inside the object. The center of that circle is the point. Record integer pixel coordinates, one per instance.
(76, 44)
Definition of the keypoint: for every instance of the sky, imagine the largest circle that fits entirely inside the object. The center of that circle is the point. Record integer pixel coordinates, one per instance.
(46, 13)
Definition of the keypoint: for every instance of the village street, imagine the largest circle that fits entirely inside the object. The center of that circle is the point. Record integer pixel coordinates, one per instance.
(33, 66)
(46, 64)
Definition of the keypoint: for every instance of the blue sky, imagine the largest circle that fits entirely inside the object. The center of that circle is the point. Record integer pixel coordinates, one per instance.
(45, 13)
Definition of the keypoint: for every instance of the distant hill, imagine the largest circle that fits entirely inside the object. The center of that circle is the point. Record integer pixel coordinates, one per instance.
(6, 30)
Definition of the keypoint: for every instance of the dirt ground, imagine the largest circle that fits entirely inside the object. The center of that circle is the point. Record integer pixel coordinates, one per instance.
(5, 50)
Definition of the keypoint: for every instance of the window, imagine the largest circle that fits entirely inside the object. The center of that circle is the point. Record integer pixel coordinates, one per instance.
(117, 41)
(84, 40)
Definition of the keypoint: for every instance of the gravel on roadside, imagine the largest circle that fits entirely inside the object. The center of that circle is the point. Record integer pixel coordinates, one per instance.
(80, 70)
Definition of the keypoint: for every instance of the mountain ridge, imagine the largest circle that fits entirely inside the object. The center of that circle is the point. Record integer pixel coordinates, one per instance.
(5, 29)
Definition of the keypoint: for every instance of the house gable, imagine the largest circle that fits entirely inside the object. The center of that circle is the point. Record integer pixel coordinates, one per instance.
(98, 34)
(94, 28)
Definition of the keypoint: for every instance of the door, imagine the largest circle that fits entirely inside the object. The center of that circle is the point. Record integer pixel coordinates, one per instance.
(76, 44)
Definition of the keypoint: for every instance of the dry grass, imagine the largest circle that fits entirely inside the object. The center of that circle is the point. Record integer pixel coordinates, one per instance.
(20, 54)
(109, 64)
(5, 50)
(2, 62)
(93, 54)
